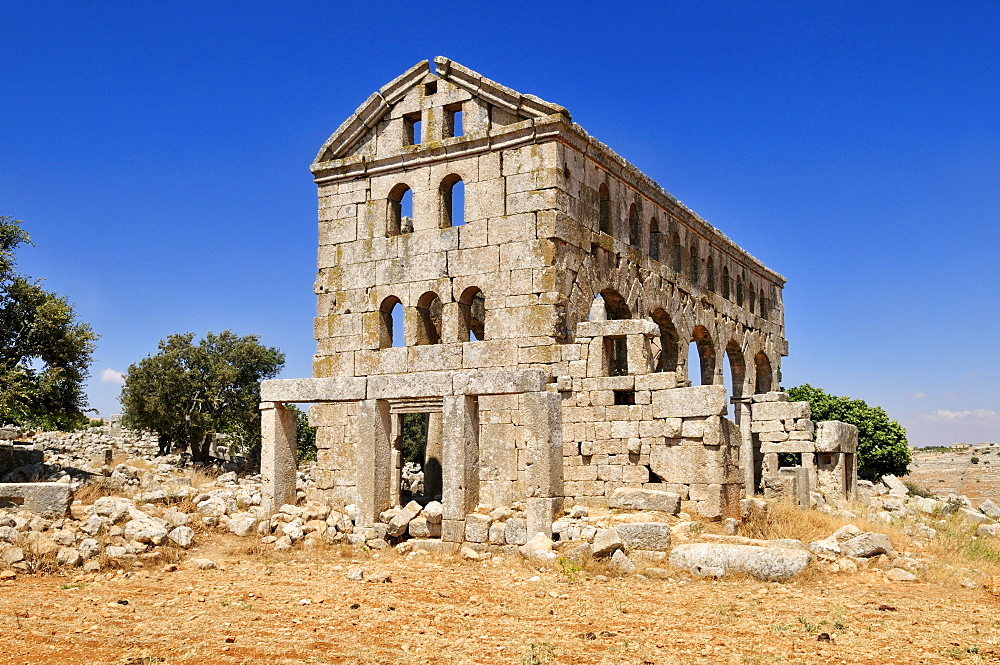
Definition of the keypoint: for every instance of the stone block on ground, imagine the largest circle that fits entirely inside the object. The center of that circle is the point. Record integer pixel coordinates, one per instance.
(645, 535)
(642, 499)
(765, 563)
(867, 545)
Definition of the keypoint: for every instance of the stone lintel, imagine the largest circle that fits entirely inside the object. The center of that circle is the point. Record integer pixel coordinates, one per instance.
(334, 389)
(617, 328)
(690, 402)
(498, 382)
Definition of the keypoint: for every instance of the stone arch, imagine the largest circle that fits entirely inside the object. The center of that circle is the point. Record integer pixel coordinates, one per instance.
(397, 222)
(604, 201)
(472, 310)
(633, 226)
(452, 188)
(615, 305)
(763, 373)
(429, 309)
(706, 354)
(390, 313)
(666, 361)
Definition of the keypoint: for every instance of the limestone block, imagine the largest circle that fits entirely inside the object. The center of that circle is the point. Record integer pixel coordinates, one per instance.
(691, 463)
(516, 531)
(771, 397)
(541, 413)
(45, 499)
(775, 564)
(643, 499)
(477, 528)
(617, 328)
(431, 357)
(511, 228)
(656, 381)
(774, 437)
(867, 545)
(688, 402)
(313, 390)
(780, 410)
(398, 524)
(540, 514)
(693, 429)
(484, 382)
(607, 542)
(654, 536)
(762, 426)
(608, 383)
(425, 384)
(635, 474)
(833, 436)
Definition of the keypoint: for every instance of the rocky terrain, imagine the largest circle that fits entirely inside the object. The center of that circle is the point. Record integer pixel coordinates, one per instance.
(954, 472)
(161, 562)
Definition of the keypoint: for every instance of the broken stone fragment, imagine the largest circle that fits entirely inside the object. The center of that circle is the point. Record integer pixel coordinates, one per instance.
(774, 564)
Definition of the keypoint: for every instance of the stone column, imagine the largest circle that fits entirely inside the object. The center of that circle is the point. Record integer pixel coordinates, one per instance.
(432, 455)
(460, 464)
(277, 456)
(742, 413)
(809, 464)
(541, 415)
(374, 458)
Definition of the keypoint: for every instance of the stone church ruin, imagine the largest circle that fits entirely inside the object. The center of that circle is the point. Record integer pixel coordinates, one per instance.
(487, 264)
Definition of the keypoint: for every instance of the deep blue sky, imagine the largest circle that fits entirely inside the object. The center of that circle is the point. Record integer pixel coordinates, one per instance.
(158, 154)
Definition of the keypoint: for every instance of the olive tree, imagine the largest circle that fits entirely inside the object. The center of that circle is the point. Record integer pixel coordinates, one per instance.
(188, 392)
(882, 445)
(45, 351)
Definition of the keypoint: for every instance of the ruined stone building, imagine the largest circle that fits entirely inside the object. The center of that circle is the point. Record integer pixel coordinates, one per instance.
(546, 293)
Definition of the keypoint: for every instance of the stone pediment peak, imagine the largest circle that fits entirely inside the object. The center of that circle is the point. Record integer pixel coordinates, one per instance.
(380, 103)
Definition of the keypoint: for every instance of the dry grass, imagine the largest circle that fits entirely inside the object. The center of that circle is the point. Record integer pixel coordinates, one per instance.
(99, 487)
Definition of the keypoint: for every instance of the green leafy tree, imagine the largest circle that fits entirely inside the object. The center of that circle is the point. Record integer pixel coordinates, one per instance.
(305, 436)
(45, 351)
(190, 391)
(882, 446)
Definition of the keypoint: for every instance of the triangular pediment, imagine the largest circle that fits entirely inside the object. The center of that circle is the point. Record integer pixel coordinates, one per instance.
(357, 129)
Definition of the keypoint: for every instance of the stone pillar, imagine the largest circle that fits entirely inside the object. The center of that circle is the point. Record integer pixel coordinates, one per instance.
(541, 415)
(770, 464)
(460, 464)
(277, 456)
(742, 414)
(374, 459)
(809, 464)
(432, 456)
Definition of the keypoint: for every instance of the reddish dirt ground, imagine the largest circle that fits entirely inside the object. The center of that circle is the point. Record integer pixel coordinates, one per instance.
(300, 608)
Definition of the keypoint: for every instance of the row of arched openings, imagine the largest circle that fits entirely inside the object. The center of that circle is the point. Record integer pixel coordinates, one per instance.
(450, 209)
(429, 320)
(738, 290)
(701, 362)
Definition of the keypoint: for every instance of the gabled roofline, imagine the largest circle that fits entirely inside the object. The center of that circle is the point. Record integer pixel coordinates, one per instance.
(371, 112)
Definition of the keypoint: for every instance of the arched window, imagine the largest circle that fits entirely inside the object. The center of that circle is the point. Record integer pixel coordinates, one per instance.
(399, 216)
(739, 290)
(726, 284)
(762, 367)
(675, 252)
(452, 201)
(764, 306)
(472, 309)
(633, 226)
(710, 273)
(429, 309)
(666, 361)
(654, 239)
(615, 305)
(390, 331)
(694, 261)
(605, 203)
(752, 297)
(705, 352)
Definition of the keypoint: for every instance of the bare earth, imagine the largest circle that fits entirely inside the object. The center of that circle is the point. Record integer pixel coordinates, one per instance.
(300, 608)
(954, 473)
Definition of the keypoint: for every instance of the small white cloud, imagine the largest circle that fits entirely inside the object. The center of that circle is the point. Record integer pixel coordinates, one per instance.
(920, 395)
(109, 375)
(945, 414)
